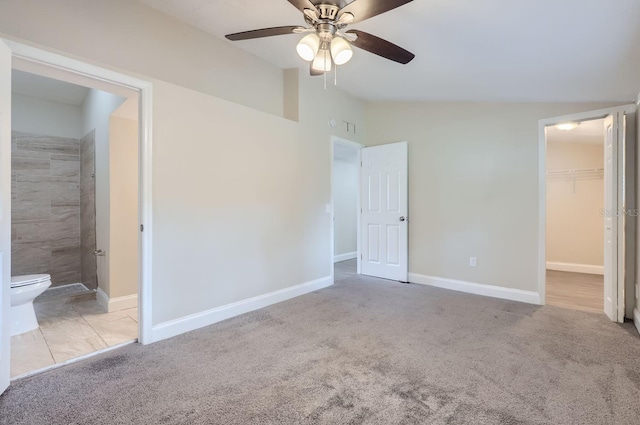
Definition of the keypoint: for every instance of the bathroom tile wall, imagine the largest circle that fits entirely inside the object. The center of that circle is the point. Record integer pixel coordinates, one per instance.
(88, 210)
(45, 222)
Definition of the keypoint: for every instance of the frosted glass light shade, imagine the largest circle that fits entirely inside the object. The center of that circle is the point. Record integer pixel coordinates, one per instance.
(308, 47)
(567, 126)
(341, 51)
(322, 62)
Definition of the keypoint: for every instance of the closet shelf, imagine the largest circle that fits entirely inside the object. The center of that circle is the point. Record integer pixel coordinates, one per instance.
(579, 171)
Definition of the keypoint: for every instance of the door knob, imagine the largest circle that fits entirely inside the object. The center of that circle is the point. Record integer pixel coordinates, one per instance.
(99, 253)
(403, 218)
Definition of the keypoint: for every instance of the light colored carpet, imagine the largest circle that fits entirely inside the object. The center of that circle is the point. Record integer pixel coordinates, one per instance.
(362, 351)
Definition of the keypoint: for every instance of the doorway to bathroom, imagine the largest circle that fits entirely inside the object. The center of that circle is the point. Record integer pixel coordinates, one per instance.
(74, 219)
(14, 55)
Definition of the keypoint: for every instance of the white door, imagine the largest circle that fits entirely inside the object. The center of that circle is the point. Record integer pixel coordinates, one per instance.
(5, 211)
(610, 218)
(385, 205)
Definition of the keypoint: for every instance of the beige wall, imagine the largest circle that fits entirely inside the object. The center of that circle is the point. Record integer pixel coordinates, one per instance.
(239, 193)
(124, 221)
(473, 185)
(96, 111)
(575, 225)
(345, 204)
(126, 35)
(41, 116)
(239, 210)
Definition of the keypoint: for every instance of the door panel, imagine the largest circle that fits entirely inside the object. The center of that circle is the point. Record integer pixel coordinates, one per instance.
(385, 207)
(627, 225)
(610, 219)
(632, 169)
(393, 195)
(374, 191)
(393, 247)
(5, 212)
(374, 244)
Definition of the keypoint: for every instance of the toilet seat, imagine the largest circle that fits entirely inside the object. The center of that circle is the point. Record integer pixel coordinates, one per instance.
(30, 279)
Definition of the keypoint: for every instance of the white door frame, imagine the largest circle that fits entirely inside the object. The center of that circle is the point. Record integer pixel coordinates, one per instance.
(145, 89)
(358, 147)
(542, 189)
(636, 298)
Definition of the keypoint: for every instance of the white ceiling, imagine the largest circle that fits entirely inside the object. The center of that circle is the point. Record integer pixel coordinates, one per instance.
(490, 50)
(590, 132)
(44, 88)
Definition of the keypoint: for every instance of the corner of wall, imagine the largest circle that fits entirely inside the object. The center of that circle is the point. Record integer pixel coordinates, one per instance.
(110, 304)
(291, 94)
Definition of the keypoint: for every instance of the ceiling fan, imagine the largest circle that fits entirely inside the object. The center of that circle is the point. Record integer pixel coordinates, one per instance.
(327, 42)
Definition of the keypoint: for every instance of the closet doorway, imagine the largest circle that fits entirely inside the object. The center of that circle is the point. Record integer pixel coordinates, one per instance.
(587, 210)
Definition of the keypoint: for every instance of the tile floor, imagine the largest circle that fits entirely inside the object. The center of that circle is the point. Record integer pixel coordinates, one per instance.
(69, 328)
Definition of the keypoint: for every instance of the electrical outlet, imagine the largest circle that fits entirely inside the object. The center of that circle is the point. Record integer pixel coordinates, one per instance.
(473, 262)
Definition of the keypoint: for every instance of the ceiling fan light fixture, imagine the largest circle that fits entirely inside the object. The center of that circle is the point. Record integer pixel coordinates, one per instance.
(308, 47)
(341, 50)
(326, 41)
(322, 62)
(567, 126)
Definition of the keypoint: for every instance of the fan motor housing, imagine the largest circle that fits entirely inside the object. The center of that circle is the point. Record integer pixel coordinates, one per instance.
(326, 31)
(328, 11)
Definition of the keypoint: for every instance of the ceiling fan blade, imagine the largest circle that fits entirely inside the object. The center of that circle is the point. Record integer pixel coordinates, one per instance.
(264, 32)
(365, 9)
(345, 19)
(381, 47)
(301, 5)
(312, 15)
(347, 36)
(303, 30)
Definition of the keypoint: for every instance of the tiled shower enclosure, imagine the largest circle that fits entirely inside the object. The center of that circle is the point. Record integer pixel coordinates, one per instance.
(53, 208)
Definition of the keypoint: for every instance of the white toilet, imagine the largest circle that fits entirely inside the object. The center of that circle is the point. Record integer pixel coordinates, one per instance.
(25, 289)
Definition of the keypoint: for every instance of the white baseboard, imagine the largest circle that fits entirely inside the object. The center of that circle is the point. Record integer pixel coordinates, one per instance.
(345, 257)
(529, 297)
(636, 318)
(575, 268)
(103, 299)
(209, 317)
(116, 304)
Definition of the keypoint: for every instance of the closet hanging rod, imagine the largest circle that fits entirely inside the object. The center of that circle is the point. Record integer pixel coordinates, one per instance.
(576, 171)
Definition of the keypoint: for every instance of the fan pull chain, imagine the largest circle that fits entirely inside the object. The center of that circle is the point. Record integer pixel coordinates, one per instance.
(324, 57)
